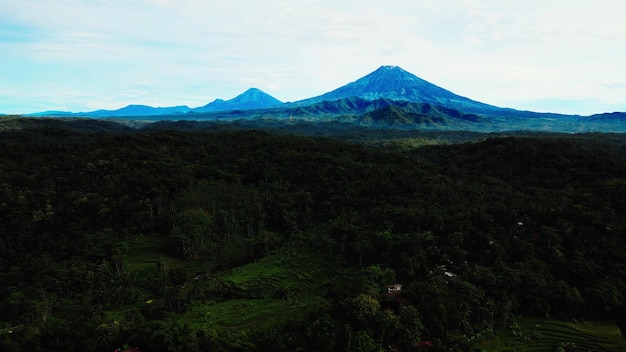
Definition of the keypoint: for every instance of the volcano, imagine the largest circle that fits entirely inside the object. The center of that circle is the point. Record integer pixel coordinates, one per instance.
(252, 98)
(394, 83)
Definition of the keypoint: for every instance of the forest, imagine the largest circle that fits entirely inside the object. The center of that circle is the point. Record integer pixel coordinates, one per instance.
(257, 240)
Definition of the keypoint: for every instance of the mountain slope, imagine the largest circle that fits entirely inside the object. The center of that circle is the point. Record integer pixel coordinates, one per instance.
(394, 83)
(411, 115)
(252, 98)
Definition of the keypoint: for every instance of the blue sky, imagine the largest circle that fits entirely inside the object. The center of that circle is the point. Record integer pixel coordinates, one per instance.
(80, 55)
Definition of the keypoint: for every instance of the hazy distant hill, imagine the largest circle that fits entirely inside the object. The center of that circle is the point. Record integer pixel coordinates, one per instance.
(141, 110)
(130, 110)
(613, 117)
(252, 98)
(51, 113)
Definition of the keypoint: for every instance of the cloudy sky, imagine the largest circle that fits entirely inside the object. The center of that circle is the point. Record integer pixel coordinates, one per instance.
(564, 56)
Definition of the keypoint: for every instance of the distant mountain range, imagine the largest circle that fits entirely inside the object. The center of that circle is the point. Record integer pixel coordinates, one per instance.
(389, 96)
(252, 98)
(387, 82)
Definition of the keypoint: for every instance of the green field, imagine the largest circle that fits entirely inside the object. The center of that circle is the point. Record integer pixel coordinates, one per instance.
(275, 289)
(534, 334)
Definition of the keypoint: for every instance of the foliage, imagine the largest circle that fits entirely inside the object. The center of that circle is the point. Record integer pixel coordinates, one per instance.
(250, 240)
(533, 334)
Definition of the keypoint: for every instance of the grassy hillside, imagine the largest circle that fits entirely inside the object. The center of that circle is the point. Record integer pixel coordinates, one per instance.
(533, 334)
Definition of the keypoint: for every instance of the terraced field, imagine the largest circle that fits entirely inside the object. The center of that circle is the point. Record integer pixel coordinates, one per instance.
(554, 335)
(284, 276)
(274, 289)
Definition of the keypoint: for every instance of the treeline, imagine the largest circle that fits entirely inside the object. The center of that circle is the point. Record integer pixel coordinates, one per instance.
(478, 233)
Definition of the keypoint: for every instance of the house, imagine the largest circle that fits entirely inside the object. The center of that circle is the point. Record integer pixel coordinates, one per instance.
(446, 272)
(449, 274)
(394, 289)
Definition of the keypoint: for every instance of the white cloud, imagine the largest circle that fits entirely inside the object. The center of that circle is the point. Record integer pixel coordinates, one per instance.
(617, 84)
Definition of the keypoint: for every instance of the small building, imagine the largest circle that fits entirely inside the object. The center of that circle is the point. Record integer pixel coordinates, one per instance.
(394, 289)
(449, 274)
(446, 272)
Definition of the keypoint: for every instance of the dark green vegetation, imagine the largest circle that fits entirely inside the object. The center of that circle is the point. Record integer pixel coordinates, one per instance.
(247, 240)
(535, 335)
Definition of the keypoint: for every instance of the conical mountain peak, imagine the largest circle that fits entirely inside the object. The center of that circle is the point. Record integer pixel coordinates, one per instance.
(391, 68)
(394, 83)
(388, 79)
(257, 96)
(252, 98)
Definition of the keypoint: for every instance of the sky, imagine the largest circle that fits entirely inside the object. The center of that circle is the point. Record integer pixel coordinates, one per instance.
(564, 56)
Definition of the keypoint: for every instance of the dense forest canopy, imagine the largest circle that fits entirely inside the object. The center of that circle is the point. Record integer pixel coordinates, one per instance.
(251, 240)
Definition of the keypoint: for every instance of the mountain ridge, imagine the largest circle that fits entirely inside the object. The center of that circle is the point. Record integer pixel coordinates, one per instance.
(416, 103)
(252, 98)
(386, 82)
(127, 111)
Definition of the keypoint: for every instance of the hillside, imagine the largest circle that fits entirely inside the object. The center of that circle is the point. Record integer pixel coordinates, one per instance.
(248, 240)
